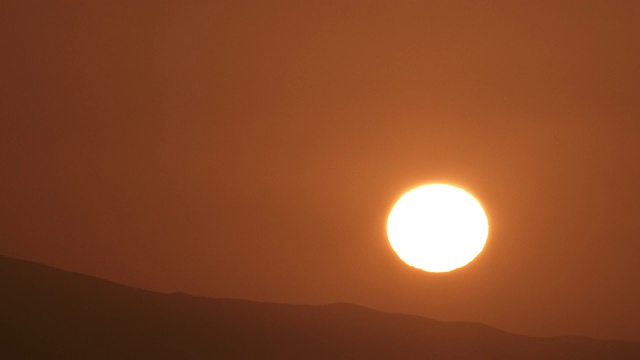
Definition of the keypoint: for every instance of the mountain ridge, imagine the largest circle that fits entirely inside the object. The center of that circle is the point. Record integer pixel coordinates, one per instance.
(48, 313)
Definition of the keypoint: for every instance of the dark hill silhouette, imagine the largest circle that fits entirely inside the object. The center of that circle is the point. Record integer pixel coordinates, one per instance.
(46, 313)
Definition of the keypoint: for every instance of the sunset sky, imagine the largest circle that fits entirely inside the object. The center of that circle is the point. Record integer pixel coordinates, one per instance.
(254, 149)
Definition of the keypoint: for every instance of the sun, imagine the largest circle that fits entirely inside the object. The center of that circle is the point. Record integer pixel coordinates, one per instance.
(437, 228)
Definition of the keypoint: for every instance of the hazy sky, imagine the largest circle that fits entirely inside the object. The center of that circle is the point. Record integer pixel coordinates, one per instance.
(253, 149)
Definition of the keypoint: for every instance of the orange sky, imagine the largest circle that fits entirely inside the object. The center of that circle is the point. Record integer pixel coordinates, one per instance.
(253, 149)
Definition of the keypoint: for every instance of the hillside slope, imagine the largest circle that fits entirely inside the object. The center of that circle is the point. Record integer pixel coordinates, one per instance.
(46, 313)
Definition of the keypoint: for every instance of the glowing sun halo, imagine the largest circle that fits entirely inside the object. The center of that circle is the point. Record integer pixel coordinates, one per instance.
(437, 228)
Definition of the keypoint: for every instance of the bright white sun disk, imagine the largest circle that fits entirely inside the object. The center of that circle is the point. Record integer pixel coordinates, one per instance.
(437, 228)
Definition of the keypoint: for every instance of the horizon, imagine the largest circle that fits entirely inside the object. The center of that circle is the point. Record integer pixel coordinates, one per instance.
(148, 291)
